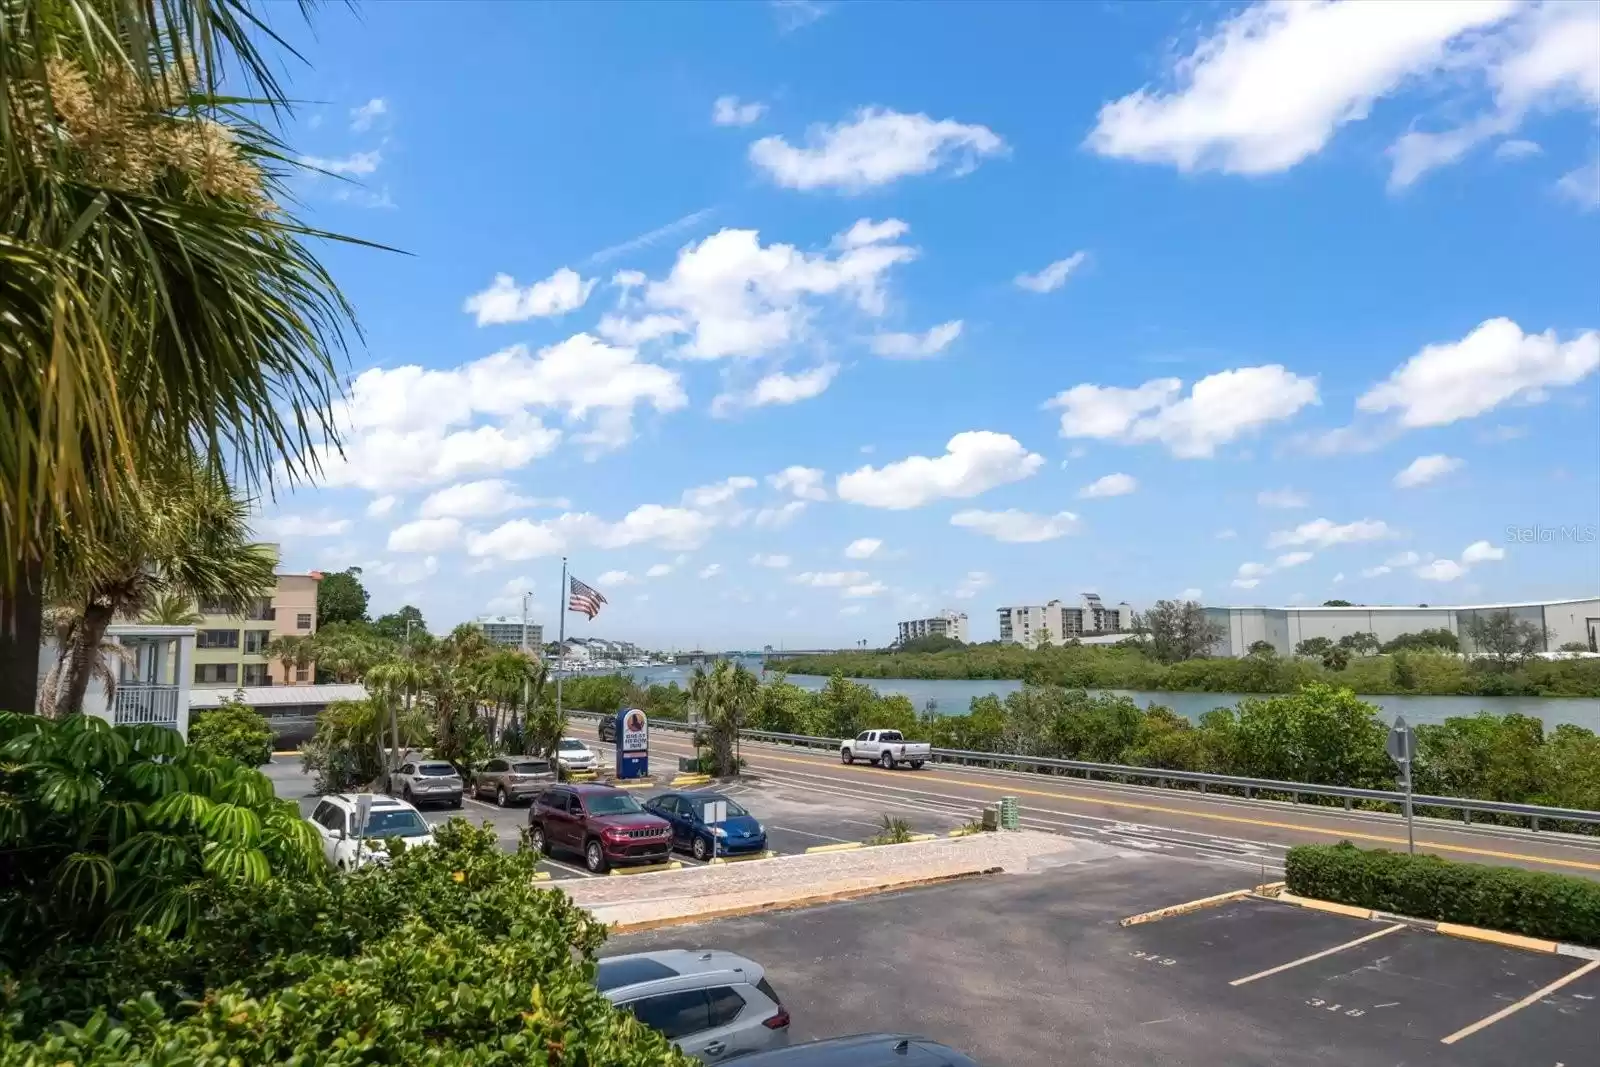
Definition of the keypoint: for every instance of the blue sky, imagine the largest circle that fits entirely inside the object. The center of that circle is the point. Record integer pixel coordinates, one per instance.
(786, 321)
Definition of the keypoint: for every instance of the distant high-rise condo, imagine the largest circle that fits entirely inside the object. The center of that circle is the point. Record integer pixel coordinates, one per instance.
(945, 624)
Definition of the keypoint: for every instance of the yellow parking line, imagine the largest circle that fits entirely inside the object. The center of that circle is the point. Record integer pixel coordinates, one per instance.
(1349, 835)
(1512, 1009)
(1385, 932)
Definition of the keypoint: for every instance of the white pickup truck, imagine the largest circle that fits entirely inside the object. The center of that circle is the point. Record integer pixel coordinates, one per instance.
(886, 747)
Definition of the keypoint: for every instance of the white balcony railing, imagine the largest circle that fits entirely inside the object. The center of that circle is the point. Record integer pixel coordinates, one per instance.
(140, 702)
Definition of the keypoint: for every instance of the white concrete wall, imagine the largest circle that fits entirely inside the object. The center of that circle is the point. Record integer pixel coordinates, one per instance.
(1579, 621)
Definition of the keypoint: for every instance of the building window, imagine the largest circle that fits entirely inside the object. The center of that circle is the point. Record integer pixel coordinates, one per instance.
(302, 674)
(255, 674)
(302, 621)
(255, 641)
(216, 673)
(217, 639)
(260, 610)
(218, 607)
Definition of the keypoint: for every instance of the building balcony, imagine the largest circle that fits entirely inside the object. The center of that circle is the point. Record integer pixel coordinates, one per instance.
(145, 703)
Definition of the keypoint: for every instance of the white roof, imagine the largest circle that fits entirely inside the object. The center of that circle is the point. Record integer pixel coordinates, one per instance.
(1416, 607)
(261, 696)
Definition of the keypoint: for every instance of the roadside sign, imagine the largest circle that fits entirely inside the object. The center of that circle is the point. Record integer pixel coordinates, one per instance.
(1402, 746)
(1401, 742)
(716, 812)
(633, 744)
(363, 813)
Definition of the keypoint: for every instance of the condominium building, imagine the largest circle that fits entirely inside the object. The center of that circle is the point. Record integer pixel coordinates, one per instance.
(1055, 622)
(950, 624)
(231, 640)
(508, 630)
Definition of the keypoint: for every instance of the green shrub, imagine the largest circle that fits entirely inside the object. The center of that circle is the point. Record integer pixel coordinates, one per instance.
(449, 956)
(233, 729)
(103, 828)
(1555, 907)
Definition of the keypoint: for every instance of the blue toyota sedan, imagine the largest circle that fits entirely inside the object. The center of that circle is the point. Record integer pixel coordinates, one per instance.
(740, 835)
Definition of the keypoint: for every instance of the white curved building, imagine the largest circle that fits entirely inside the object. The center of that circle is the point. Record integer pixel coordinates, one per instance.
(1563, 621)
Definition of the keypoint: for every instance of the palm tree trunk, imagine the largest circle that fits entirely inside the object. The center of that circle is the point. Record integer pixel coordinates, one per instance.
(21, 620)
(80, 661)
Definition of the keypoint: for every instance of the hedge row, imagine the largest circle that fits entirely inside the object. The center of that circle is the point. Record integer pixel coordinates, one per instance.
(1556, 907)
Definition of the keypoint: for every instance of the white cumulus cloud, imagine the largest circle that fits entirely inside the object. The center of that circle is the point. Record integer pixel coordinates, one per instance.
(1325, 533)
(288, 526)
(1441, 570)
(1052, 277)
(717, 494)
(804, 482)
(504, 302)
(730, 111)
(775, 518)
(974, 583)
(865, 589)
(1495, 364)
(612, 579)
(1218, 409)
(425, 535)
(778, 388)
(863, 548)
(776, 562)
(666, 527)
(362, 118)
(973, 462)
(916, 345)
(381, 506)
(491, 496)
(874, 147)
(830, 579)
(1481, 552)
(1111, 485)
(1017, 527)
(1425, 469)
(710, 570)
(1286, 499)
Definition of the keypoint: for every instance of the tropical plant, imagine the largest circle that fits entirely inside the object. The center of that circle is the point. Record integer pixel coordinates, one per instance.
(392, 683)
(1179, 630)
(893, 831)
(727, 696)
(341, 597)
(350, 748)
(156, 294)
(63, 623)
(232, 729)
(450, 955)
(106, 827)
(294, 653)
(1503, 639)
(180, 531)
(172, 609)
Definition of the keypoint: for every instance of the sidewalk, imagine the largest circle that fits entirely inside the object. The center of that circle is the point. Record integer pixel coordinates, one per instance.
(650, 900)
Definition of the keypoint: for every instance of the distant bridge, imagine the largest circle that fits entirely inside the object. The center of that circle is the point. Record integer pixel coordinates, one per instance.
(698, 658)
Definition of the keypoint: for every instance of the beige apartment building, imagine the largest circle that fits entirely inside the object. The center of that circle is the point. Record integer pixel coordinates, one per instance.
(1056, 623)
(230, 649)
(947, 623)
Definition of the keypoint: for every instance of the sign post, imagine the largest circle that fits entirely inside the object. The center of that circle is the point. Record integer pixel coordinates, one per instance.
(716, 813)
(633, 744)
(1401, 747)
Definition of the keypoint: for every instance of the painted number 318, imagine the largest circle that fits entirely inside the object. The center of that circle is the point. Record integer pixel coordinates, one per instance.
(1354, 1013)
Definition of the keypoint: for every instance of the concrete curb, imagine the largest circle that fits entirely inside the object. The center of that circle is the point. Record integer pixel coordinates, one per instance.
(654, 868)
(753, 857)
(843, 846)
(691, 779)
(1186, 907)
(797, 902)
(1468, 933)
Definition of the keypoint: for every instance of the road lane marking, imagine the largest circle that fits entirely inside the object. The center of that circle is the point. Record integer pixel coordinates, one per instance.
(1351, 835)
(1385, 932)
(1512, 1009)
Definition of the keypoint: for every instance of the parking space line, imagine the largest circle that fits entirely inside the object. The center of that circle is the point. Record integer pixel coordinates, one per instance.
(1512, 1009)
(1385, 932)
(565, 866)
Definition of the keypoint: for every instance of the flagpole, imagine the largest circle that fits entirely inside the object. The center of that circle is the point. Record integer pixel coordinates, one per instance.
(561, 649)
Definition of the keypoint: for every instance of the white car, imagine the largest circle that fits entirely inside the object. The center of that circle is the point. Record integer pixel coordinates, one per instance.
(347, 846)
(572, 755)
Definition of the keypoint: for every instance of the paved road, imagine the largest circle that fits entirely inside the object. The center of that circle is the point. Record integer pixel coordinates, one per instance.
(1251, 832)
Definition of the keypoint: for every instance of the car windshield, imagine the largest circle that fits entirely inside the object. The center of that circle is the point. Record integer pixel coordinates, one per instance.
(734, 810)
(395, 822)
(435, 770)
(611, 804)
(530, 767)
(572, 744)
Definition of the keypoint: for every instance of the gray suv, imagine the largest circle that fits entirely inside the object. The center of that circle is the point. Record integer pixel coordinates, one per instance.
(711, 1005)
(864, 1050)
(512, 779)
(427, 781)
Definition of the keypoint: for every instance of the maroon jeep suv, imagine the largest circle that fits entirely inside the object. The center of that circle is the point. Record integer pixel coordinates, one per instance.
(604, 825)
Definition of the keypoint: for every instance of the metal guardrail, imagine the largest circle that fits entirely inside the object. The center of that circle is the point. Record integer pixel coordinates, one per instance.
(1535, 813)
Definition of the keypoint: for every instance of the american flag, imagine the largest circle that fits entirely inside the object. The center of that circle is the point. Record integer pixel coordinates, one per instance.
(585, 598)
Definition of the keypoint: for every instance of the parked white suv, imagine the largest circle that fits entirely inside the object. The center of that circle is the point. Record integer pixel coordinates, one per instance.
(572, 755)
(348, 846)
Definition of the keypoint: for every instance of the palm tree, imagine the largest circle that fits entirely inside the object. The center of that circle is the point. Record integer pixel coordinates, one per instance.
(154, 292)
(389, 682)
(729, 693)
(293, 652)
(180, 531)
(170, 609)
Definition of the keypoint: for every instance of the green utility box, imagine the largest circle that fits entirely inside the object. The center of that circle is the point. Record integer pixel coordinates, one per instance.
(1009, 819)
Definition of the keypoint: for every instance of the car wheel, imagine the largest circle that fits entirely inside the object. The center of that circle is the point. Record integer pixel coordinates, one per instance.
(541, 844)
(594, 857)
(701, 849)
(916, 765)
(455, 801)
(845, 757)
(405, 794)
(500, 797)
(887, 759)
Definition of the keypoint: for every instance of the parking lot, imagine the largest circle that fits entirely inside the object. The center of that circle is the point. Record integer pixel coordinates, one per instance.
(795, 817)
(1032, 969)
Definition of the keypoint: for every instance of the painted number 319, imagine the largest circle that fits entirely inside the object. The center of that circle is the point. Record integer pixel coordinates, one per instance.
(1354, 1013)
